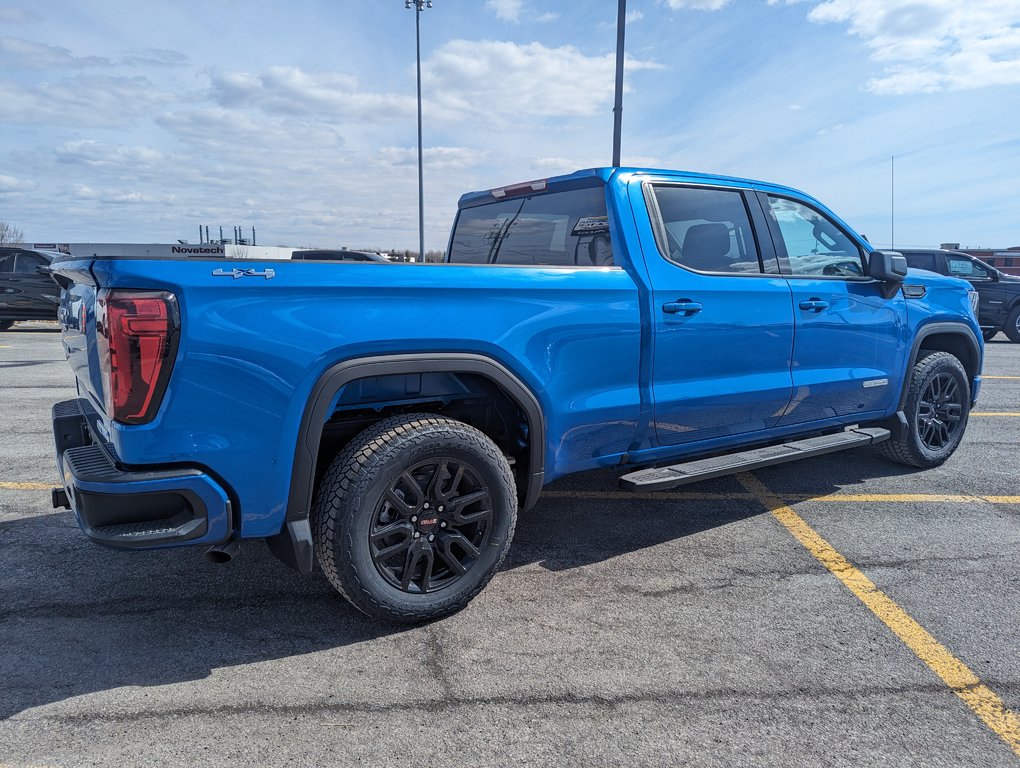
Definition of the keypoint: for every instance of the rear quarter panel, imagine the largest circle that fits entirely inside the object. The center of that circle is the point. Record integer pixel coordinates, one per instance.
(252, 349)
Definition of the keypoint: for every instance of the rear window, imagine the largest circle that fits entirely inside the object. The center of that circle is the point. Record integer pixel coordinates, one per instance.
(560, 229)
(921, 261)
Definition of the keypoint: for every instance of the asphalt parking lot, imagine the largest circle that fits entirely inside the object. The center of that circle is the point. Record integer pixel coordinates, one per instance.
(840, 611)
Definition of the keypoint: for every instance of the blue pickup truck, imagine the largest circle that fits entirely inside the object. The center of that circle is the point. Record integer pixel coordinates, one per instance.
(389, 420)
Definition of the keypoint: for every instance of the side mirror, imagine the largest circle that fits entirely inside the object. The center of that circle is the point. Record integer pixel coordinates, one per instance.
(43, 269)
(887, 266)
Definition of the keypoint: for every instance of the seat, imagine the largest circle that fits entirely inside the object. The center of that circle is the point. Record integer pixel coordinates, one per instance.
(706, 247)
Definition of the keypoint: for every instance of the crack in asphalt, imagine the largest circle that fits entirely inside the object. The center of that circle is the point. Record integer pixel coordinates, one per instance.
(451, 703)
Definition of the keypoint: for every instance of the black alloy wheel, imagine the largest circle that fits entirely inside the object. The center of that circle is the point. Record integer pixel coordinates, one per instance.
(1012, 327)
(937, 409)
(414, 516)
(940, 411)
(431, 525)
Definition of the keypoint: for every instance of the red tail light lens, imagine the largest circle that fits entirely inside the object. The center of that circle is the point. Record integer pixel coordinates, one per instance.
(136, 332)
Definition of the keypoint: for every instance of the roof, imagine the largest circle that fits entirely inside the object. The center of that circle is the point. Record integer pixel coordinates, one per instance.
(604, 174)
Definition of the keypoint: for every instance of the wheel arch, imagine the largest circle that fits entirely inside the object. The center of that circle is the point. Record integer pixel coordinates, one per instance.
(957, 339)
(334, 379)
(293, 545)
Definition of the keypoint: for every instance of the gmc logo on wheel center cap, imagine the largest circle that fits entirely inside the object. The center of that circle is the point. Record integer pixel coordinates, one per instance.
(428, 522)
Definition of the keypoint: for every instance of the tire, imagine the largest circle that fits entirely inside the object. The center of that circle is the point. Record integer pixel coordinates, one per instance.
(435, 493)
(989, 333)
(937, 409)
(6, 325)
(1012, 327)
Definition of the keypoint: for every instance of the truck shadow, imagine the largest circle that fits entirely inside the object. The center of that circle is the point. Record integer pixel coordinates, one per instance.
(77, 619)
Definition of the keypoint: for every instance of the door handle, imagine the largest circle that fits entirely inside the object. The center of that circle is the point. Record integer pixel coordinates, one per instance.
(814, 305)
(684, 307)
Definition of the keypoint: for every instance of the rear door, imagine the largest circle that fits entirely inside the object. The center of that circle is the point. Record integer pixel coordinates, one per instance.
(850, 339)
(722, 316)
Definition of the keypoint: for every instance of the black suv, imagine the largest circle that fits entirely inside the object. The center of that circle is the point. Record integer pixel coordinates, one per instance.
(999, 293)
(27, 292)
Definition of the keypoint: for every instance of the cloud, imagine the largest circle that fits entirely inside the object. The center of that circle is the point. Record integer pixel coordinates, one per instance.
(119, 196)
(436, 158)
(96, 154)
(85, 100)
(16, 16)
(156, 57)
(11, 186)
(697, 5)
(933, 45)
(292, 91)
(507, 10)
(28, 54)
(490, 79)
(633, 16)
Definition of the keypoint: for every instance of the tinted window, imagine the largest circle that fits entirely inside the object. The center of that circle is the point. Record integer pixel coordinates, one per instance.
(6, 262)
(965, 268)
(554, 229)
(27, 262)
(814, 244)
(708, 230)
(921, 260)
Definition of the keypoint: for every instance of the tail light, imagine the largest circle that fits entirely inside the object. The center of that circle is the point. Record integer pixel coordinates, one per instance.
(136, 333)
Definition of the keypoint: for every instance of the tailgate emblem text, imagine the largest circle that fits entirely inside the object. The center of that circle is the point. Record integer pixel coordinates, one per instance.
(237, 274)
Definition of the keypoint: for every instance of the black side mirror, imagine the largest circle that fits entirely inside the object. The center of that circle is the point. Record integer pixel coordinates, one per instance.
(887, 266)
(890, 268)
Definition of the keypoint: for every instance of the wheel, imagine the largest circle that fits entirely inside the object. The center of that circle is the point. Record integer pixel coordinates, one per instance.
(413, 517)
(1012, 327)
(6, 325)
(937, 408)
(989, 333)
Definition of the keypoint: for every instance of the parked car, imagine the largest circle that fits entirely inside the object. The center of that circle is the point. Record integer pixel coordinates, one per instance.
(338, 255)
(26, 290)
(390, 423)
(998, 293)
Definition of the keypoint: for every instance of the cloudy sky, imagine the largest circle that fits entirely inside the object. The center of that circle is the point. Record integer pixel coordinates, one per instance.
(139, 121)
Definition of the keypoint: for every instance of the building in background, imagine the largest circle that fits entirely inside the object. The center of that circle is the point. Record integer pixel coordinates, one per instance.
(1003, 259)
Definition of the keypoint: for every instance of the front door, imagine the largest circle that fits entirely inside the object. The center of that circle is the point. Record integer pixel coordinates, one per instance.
(850, 339)
(722, 317)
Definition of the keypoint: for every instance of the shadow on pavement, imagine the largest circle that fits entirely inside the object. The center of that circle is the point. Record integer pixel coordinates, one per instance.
(76, 618)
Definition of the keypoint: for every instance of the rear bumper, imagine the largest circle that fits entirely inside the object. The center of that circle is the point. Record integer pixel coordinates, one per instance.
(134, 509)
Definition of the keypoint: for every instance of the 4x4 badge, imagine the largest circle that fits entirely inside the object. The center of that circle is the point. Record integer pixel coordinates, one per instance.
(237, 274)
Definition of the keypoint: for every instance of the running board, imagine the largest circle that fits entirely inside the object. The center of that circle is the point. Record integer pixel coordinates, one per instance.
(662, 478)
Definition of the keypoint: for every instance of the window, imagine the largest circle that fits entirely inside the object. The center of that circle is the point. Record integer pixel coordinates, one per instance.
(6, 261)
(921, 260)
(27, 262)
(967, 269)
(553, 229)
(814, 244)
(707, 230)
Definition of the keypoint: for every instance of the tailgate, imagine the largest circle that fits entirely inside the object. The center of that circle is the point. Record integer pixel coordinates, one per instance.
(76, 314)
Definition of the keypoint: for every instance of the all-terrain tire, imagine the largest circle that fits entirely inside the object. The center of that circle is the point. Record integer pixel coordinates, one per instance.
(932, 374)
(356, 497)
(1012, 327)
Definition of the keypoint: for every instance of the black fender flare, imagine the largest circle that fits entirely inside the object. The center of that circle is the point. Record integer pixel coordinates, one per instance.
(932, 329)
(293, 544)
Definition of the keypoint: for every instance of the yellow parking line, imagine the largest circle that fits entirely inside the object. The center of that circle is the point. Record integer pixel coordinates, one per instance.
(902, 498)
(1001, 377)
(995, 413)
(27, 487)
(953, 672)
(878, 498)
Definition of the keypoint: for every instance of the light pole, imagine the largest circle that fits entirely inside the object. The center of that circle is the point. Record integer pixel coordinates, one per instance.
(621, 32)
(419, 7)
